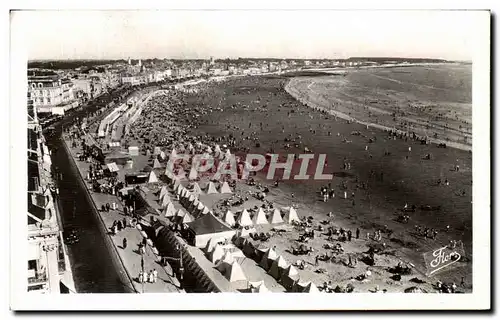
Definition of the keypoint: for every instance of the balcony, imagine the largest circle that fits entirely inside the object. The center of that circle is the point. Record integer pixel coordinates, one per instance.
(36, 278)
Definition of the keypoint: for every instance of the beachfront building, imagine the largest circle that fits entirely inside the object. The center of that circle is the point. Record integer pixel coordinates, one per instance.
(47, 262)
(201, 230)
(50, 93)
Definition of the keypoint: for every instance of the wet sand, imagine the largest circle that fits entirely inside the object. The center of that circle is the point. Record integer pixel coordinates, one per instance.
(228, 107)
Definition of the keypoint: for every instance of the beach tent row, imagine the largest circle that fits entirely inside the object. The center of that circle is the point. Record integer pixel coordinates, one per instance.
(275, 265)
(225, 261)
(260, 218)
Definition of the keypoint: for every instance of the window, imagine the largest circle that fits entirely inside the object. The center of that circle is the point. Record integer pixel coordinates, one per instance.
(31, 264)
(48, 100)
(40, 85)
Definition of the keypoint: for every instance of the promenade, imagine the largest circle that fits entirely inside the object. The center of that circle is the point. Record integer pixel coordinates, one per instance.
(130, 256)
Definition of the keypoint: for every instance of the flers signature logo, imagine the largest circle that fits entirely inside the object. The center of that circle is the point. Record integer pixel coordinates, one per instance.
(443, 258)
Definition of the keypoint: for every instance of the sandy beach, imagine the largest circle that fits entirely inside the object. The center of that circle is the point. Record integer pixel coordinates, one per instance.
(228, 108)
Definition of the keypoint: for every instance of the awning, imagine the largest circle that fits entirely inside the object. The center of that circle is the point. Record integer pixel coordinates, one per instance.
(112, 167)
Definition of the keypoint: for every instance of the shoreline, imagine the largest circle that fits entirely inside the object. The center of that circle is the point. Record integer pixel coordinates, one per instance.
(303, 192)
(295, 94)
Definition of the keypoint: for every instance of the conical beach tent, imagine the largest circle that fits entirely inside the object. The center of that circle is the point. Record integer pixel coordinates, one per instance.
(277, 268)
(311, 288)
(179, 189)
(163, 191)
(180, 213)
(225, 188)
(212, 243)
(244, 219)
(166, 200)
(268, 259)
(211, 188)
(205, 210)
(291, 215)
(235, 273)
(193, 174)
(187, 218)
(276, 217)
(260, 217)
(196, 189)
(259, 287)
(152, 177)
(216, 254)
(156, 164)
(289, 277)
(169, 210)
(229, 218)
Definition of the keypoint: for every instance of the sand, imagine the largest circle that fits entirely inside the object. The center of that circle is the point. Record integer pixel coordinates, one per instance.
(227, 108)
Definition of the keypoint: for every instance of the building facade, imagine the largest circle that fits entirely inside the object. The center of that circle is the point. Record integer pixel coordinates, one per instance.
(48, 268)
(50, 91)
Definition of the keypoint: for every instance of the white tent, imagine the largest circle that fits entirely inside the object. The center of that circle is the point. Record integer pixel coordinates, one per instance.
(196, 189)
(216, 254)
(278, 266)
(225, 188)
(179, 189)
(205, 210)
(180, 213)
(191, 198)
(169, 210)
(211, 188)
(291, 215)
(162, 155)
(163, 191)
(235, 273)
(152, 177)
(156, 151)
(276, 217)
(229, 218)
(260, 217)
(244, 219)
(268, 259)
(176, 184)
(259, 287)
(200, 206)
(156, 164)
(291, 271)
(311, 288)
(212, 243)
(193, 174)
(184, 193)
(187, 218)
(166, 200)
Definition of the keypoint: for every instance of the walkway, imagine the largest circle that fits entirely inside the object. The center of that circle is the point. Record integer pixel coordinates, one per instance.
(129, 256)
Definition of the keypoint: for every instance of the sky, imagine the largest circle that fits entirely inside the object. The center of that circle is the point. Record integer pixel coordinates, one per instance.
(231, 34)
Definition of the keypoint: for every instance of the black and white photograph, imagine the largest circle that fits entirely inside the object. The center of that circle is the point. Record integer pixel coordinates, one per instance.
(298, 159)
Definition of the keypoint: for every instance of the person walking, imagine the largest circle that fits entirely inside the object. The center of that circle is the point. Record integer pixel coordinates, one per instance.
(349, 235)
(155, 275)
(124, 223)
(357, 233)
(124, 243)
